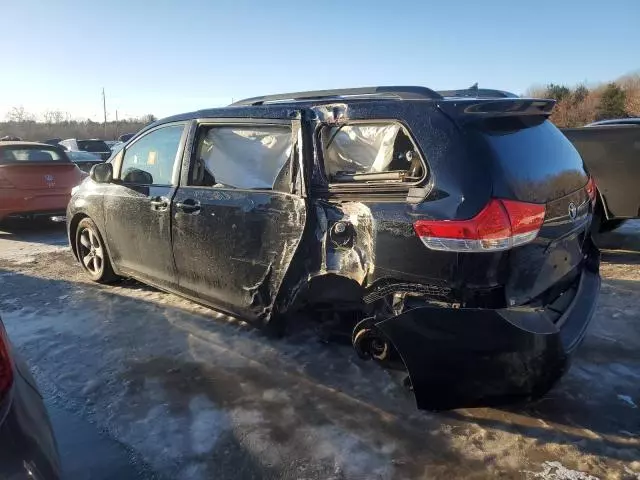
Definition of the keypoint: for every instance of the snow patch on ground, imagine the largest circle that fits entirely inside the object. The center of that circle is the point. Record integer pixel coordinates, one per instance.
(202, 395)
(556, 471)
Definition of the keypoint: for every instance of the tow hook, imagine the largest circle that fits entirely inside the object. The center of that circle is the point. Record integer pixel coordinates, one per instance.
(369, 342)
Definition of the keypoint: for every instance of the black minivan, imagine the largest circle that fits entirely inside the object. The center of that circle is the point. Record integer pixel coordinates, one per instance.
(454, 224)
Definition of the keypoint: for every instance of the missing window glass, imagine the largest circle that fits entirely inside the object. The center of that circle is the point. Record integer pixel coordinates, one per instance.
(246, 157)
(371, 153)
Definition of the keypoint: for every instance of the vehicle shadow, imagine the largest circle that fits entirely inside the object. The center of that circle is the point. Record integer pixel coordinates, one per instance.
(166, 353)
(34, 231)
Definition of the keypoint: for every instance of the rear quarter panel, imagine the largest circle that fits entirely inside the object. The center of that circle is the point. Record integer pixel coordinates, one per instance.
(384, 247)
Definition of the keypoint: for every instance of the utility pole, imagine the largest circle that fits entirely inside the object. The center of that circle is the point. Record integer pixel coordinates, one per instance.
(116, 137)
(104, 109)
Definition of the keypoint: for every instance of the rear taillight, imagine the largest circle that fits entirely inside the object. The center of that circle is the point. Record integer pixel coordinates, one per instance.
(6, 366)
(501, 225)
(591, 190)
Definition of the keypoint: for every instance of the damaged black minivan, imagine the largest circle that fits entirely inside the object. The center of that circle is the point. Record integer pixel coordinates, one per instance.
(452, 226)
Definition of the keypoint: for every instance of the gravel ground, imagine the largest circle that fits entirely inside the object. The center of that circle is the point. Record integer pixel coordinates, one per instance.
(186, 392)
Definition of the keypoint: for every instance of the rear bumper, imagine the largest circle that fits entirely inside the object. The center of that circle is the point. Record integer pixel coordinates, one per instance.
(477, 357)
(23, 202)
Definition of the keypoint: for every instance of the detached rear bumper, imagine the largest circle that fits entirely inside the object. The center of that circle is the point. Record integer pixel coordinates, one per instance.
(472, 357)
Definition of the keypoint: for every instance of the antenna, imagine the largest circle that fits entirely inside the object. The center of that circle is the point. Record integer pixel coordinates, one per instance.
(104, 109)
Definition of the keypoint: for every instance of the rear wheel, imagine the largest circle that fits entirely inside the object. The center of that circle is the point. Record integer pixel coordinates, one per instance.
(92, 253)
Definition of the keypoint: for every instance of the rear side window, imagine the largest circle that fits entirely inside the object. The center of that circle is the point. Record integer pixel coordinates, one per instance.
(246, 157)
(370, 153)
(536, 159)
(30, 155)
(93, 146)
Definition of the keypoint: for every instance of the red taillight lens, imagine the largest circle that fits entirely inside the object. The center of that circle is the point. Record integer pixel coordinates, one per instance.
(6, 367)
(591, 189)
(501, 225)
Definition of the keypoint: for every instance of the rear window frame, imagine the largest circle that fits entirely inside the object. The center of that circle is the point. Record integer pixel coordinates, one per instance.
(48, 148)
(378, 185)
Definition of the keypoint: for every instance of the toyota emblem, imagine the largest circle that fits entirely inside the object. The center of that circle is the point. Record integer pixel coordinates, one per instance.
(573, 211)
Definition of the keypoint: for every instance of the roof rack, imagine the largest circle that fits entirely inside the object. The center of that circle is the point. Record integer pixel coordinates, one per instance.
(476, 92)
(400, 93)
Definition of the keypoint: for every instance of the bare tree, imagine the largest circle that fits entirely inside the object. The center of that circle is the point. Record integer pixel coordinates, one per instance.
(19, 115)
(54, 116)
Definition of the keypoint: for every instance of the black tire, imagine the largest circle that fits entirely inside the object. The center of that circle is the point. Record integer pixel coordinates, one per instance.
(92, 253)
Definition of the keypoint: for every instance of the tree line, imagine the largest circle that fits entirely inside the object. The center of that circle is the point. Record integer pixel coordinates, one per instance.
(58, 124)
(576, 106)
(579, 105)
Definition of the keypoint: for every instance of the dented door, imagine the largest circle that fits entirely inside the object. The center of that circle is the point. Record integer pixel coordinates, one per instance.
(232, 246)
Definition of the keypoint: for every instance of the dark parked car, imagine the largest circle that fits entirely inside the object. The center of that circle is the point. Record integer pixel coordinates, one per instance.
(125, 137)
(85, 160)
(27, 446)
(453, 229)
(93, 145)
(611, 151)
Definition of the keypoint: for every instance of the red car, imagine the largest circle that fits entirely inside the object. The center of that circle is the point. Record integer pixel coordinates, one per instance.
(35, 180)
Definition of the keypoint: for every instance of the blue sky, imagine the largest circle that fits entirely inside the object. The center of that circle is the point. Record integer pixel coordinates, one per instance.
(165, 57)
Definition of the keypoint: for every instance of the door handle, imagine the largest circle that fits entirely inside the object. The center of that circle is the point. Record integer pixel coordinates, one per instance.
(188, 206)
(159, 203)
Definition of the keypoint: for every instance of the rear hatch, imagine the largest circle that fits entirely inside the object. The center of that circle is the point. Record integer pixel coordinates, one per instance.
(29, 167)
(536, 169)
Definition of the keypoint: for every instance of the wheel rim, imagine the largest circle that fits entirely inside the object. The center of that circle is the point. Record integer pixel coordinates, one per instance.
(91, 252)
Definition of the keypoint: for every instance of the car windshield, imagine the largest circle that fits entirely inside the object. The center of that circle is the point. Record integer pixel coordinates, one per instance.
(93, 146)
(23, 154)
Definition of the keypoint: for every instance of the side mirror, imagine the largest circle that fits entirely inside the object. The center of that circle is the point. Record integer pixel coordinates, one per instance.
(102, 173)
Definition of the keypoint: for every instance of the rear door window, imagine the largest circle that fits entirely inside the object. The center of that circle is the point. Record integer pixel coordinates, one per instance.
(245, 157)
(382, 152)
(151, 159)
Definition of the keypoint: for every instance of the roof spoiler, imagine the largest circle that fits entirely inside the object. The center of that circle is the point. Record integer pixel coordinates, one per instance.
(477, 93)
(474, 108)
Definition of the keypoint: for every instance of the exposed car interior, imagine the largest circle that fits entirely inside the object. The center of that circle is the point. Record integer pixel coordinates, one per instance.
(370, 153)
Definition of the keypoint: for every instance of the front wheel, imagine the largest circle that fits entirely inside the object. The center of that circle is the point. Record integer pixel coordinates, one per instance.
(92, 253)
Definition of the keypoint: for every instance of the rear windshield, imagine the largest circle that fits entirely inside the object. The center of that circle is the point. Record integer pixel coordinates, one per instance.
(30, 155)
(535, 158)
(93, 146)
